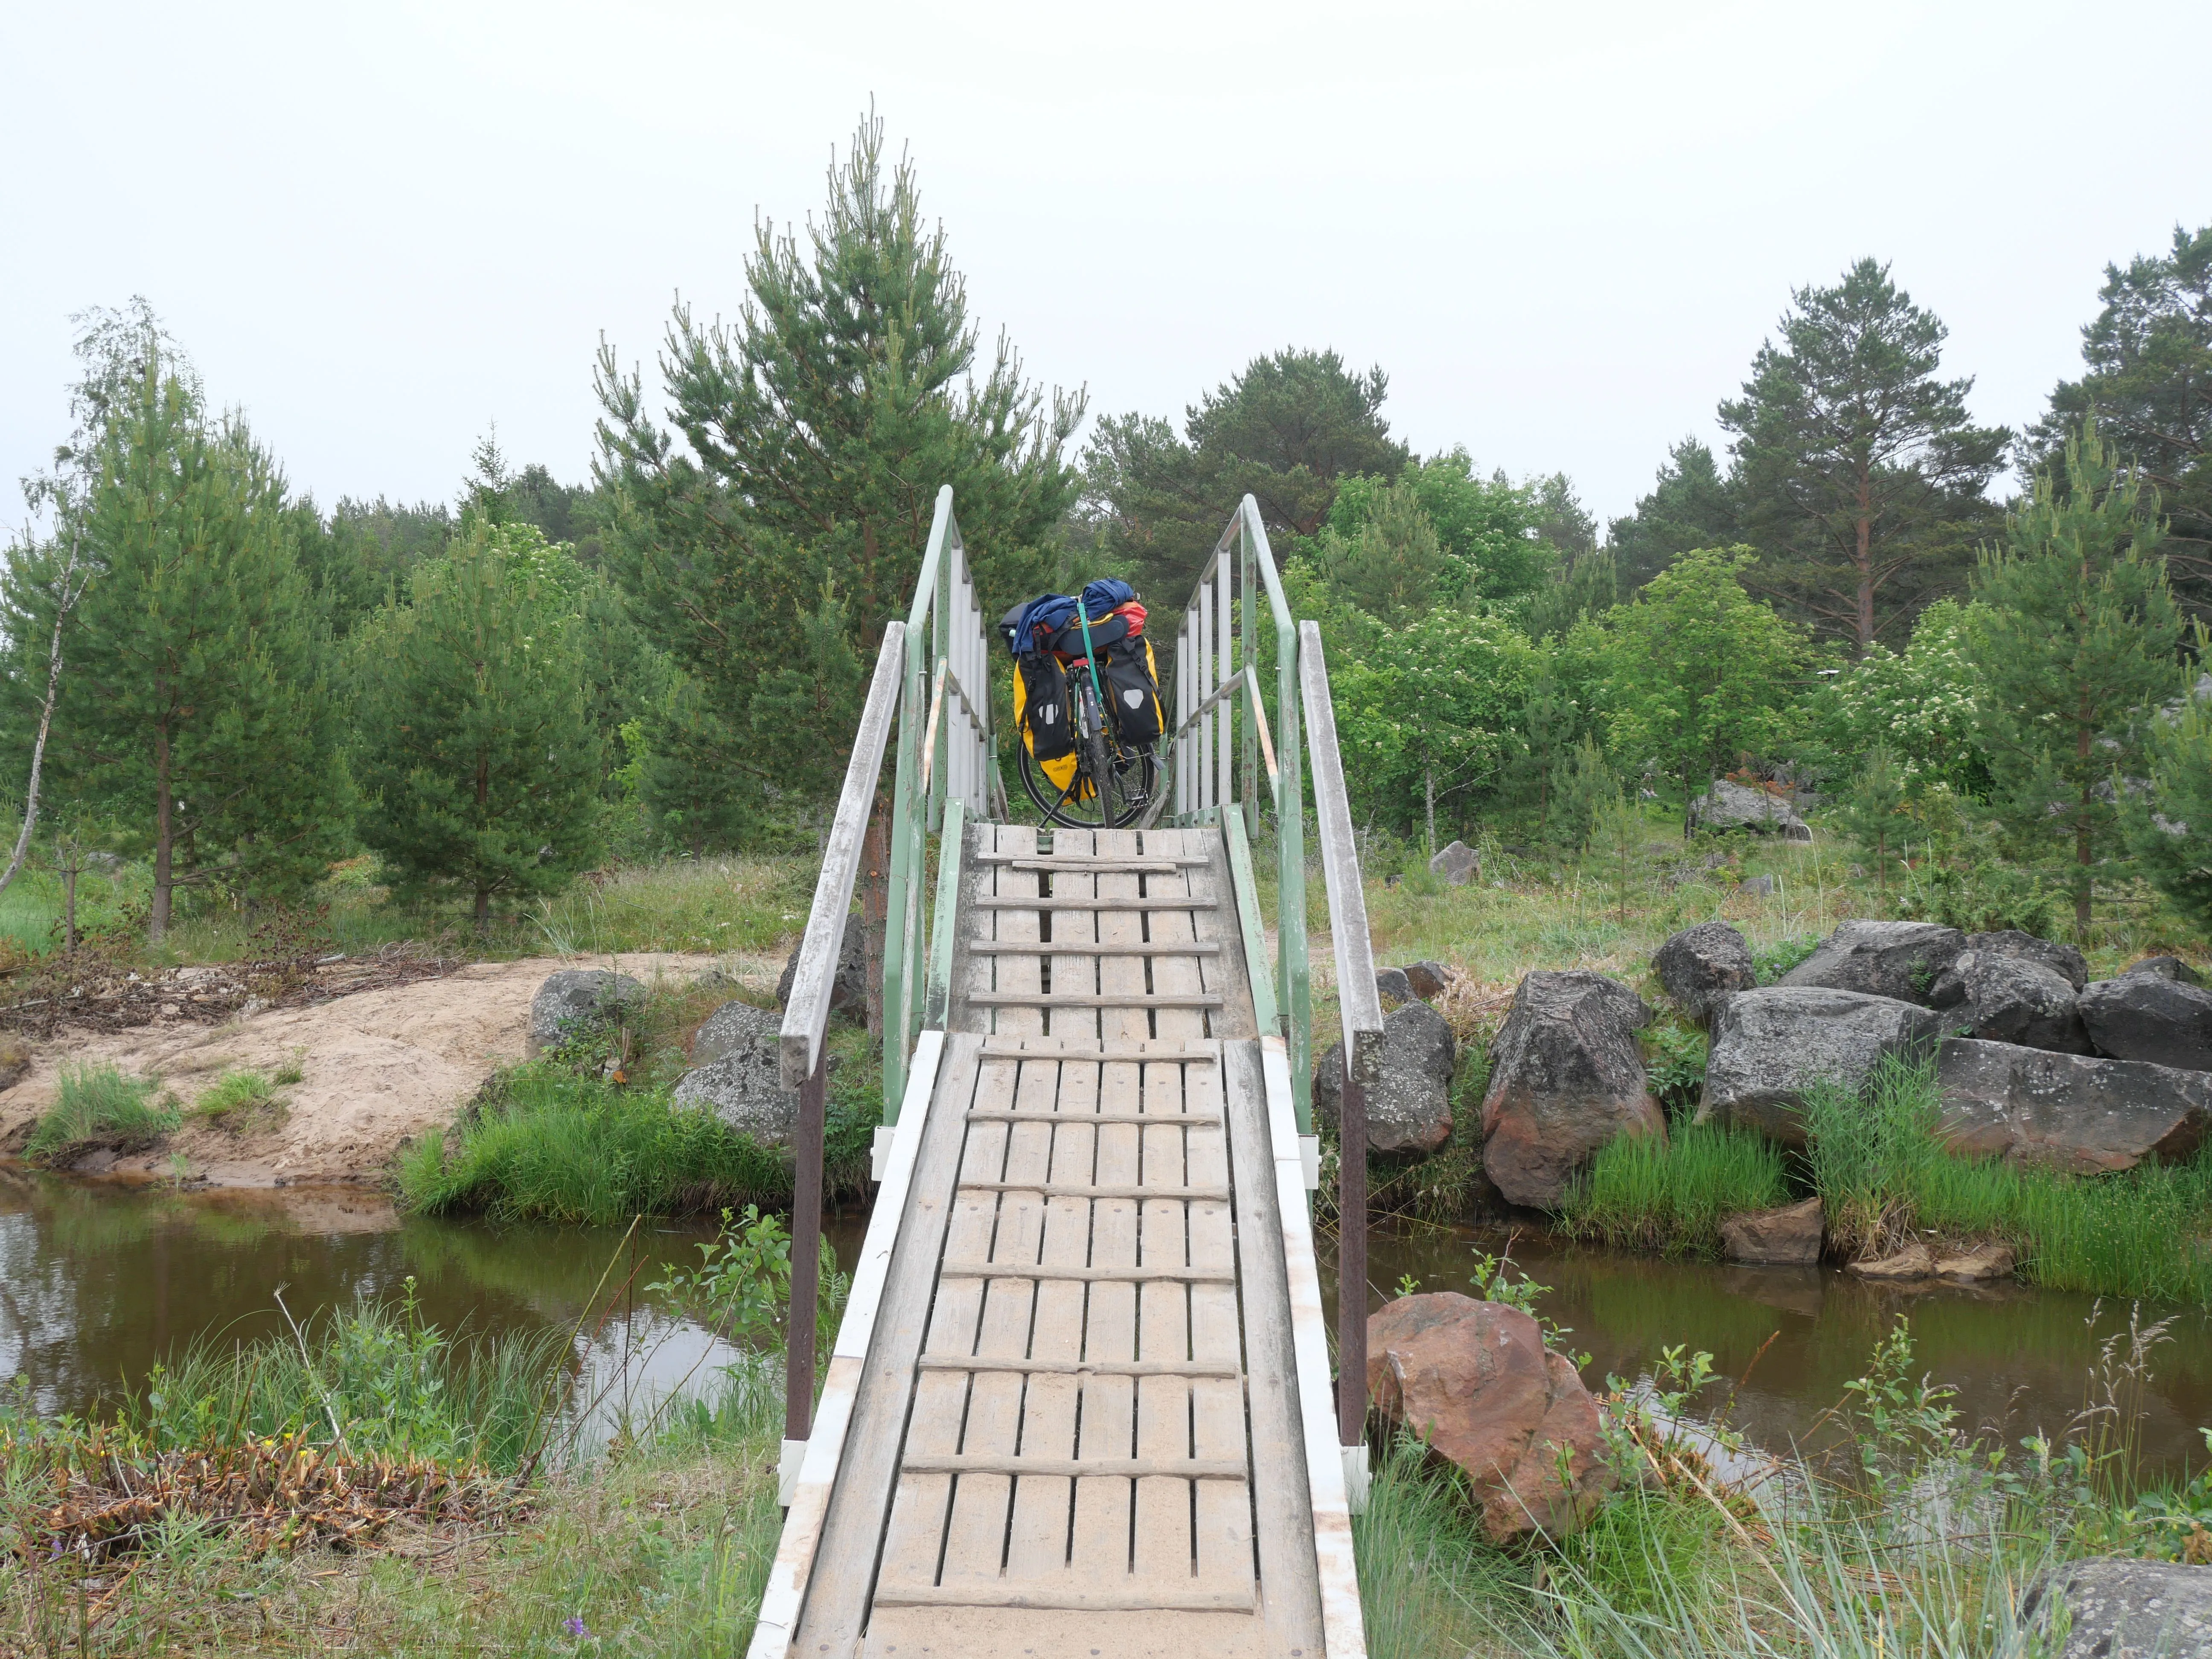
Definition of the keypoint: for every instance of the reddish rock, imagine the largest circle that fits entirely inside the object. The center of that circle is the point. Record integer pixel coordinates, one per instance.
(1474, 1380)
(1791, 1234)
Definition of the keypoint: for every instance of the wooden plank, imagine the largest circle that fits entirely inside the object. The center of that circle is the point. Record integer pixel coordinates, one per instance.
(844, 1563)
(913, 1539)
(985, 1463)
(1082, 1189)
(1023, 974)
(1099, 1542)
(1092, 1118)
(1164, 1273)
(1221, 1516)
(1036, 1365)
(1140, 948)
(1037, 1533)
(1081, 1048)
(806, 1010)
(1067, 1598)
(975, 1532)
(1229, 975)
(1168, 903)
(1057, 860)
(1056, 999)
(1282, 1496)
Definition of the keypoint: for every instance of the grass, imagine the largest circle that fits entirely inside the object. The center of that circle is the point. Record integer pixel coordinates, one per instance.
(1672, 1195)
(1874, 1159)
(659, 1547)
(548, 1145)
(242, 1098)
(99, 1104)
(1923, 1541)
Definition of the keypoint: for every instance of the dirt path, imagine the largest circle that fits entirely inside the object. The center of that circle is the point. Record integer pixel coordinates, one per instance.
(379, 1068)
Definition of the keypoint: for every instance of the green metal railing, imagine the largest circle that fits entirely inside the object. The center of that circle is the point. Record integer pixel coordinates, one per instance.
(1236, 615)
(947, 773)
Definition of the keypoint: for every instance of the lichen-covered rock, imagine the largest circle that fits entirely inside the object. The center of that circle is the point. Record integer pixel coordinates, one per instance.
(2167, 1022)
(732, 1027)
(743, 1089)
(573, 998)
(2070, 1112)
(2166, 968)
(1565, 1077)
(2017, 999)
(1790, 1235)
(1729, 805)
(1900, 959)
(1393, 987)
(1702, 966)
(1410, 1110)
(1770, 1046)
(2061, 958)
(2118, 1607)
(1474, 1380)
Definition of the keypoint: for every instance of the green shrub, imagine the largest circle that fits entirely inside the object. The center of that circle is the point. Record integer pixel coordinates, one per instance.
(1672, 1194)
(98, 1103)
(1780, 957)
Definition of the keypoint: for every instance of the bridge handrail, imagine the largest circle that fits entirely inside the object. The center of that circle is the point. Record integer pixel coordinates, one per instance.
(946, 752)
(806, 1016)
(1210, 771)
(1214, 776)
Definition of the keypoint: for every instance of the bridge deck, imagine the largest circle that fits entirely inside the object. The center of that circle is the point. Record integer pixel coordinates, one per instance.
(1079, 1426)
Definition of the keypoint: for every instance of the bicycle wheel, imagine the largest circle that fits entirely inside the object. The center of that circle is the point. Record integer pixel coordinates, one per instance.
(1111, 786)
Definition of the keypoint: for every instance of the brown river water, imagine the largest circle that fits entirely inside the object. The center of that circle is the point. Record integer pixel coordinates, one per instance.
(98, 1282)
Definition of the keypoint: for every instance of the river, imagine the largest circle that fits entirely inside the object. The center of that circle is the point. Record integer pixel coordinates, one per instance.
(99, 1281)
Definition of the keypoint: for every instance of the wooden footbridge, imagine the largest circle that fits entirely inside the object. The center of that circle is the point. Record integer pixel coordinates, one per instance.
(1081, 1400)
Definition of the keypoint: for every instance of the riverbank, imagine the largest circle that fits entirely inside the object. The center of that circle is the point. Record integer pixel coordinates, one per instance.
(375, 1070)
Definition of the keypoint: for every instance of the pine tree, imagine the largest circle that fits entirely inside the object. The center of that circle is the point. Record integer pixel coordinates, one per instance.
(1581, 785)
(1692, 504)
(2079, 642)
(197, 711)
(478, 756)
(1859, 473)
(1390, 563)
(1875, 811)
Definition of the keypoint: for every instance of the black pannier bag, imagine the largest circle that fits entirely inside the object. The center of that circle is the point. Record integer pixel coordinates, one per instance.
(1041, 707)
(1126, 672)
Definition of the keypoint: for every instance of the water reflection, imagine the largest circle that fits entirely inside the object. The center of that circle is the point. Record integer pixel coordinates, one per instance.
(2019, 1359)
(99, 1282)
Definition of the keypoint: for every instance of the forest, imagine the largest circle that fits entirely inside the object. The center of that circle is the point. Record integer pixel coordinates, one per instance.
(1975, 646)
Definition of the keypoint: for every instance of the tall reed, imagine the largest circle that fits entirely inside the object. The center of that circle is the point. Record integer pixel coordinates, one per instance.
(1672, 1193)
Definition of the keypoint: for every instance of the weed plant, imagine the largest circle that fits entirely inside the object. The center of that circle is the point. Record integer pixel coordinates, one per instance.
(98, 1103)
(240, 1095)
(1672, 1193)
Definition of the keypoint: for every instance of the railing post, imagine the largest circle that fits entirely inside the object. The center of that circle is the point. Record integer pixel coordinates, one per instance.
(805, 1256)
(1351, 1263)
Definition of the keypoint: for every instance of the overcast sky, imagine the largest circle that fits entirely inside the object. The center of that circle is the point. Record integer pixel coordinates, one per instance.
(1562, 229)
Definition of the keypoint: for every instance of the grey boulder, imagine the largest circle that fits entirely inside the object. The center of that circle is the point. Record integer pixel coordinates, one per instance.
(1410, 1110)
(1458, 864)
(733, 1027)
(1565, 1077)
(1900, 959)
(1735, 806)
(2017, 999)
(1770, 1046)
(2071, 1112)
(850, 988)
(2118, 1607)
(2165, 968)
(572, 998)
(1703, 966)
(743, 1089)
(2062, 959)
(2143, 1017)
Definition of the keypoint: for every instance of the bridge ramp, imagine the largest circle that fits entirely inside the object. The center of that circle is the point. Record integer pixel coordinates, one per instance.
(1078, 1429)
